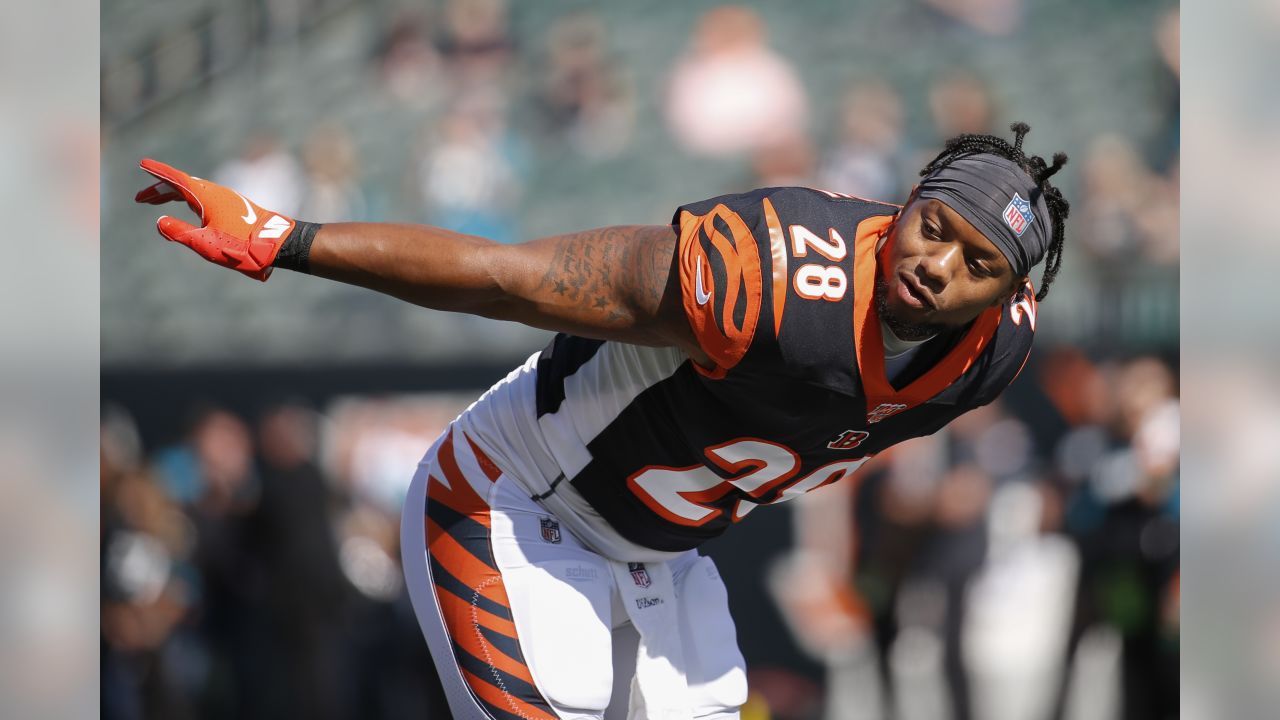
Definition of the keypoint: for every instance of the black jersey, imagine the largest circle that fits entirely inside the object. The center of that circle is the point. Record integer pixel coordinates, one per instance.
(778, 286)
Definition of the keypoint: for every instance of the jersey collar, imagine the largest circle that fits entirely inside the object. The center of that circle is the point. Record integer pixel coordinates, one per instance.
(883, 400)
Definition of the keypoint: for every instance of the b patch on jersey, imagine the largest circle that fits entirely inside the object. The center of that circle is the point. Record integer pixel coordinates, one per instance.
(848, 440)
(639, 574)
(1017, 215)
(550, 530)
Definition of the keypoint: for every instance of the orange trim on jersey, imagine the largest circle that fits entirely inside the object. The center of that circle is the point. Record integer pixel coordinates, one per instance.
(778, 251)
(1031, 295)
(1026, 307)
(697, 497)
(869, 343)
(716, 373)
(500, 699)
(741, 259)
(836, 473)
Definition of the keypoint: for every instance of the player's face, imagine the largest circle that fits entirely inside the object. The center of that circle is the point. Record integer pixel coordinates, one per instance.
(936, 271)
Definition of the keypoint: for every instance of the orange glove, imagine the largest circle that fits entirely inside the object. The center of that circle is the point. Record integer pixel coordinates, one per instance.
(234, 232)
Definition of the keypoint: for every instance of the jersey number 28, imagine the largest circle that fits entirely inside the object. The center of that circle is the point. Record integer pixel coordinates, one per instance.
(816, 281)
(690, 495)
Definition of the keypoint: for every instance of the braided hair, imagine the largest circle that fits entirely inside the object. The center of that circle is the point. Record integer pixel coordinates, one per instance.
(1035, 166)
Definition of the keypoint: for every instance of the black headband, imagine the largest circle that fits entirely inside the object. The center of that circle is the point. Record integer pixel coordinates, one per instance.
(1000, 200)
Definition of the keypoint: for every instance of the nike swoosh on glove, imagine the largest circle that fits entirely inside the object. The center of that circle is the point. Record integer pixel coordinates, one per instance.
(233, 232)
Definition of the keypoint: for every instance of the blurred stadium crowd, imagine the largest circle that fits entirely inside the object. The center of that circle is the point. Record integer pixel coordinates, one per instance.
(1026, 558)
(1021, 564)
(515, 122)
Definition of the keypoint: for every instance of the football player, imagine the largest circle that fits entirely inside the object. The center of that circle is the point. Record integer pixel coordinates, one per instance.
(760, 346)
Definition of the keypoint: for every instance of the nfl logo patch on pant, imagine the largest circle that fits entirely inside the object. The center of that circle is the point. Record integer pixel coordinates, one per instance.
(639, 574)
(550, 530)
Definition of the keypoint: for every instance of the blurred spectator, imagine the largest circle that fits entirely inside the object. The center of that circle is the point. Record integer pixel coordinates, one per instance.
(1125, 520)
(304, 589)
(467, 174)
(960, 102)
(1165, 149)
(585, 96)
(477, 43)
(1019, 606)
(1127, 210)
(788, 161)
(331, 192)
(988, 17)
(239, 602)
(144, 540)
(920, 540)
(866, 159)
(124, 85)
(266, 172)
(284, 18)
(233, 623)
(408, 62)
(731, 92)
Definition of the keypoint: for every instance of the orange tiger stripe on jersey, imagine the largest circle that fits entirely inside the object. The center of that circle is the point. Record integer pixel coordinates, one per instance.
(778, 251)
(697, 497)
(494, 696)
(724, 345)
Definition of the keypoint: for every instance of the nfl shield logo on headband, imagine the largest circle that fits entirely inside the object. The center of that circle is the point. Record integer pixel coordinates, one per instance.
(1017, 215)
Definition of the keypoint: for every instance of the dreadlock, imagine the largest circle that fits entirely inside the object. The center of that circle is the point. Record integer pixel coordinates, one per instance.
(1035, 166)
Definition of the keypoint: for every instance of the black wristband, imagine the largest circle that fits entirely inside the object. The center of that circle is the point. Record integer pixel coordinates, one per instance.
(295, 253)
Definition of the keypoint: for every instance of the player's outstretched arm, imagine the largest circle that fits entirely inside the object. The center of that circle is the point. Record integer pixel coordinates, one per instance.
(616, 283)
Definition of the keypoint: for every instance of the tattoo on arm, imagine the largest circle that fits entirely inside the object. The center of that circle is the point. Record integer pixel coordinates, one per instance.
(617, 276)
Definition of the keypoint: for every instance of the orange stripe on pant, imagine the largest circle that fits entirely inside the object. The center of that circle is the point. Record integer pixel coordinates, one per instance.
(452, 605)
(459, 495)
(496, 697)
(466, 554)
(474, 572)
(489, 467)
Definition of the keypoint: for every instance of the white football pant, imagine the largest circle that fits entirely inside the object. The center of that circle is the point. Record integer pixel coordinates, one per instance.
(523, 621)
